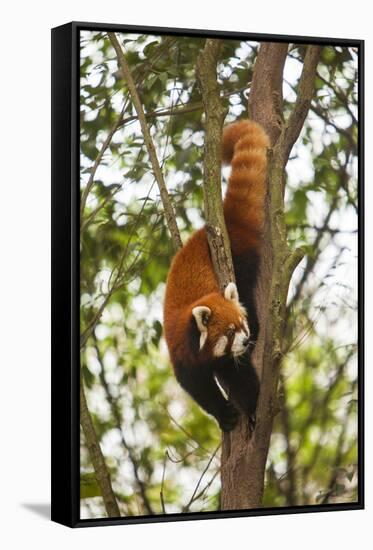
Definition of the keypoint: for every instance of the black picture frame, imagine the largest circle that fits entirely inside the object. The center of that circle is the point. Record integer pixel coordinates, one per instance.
(65, 275)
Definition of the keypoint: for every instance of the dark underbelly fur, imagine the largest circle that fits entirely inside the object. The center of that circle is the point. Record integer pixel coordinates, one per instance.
(237, 376)
(246, 269)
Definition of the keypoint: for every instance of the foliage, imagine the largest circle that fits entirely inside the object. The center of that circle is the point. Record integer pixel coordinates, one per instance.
(160, 448)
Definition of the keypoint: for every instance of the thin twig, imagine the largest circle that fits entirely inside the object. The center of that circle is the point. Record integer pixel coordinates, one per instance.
(188, 434)
(98, 159)
(182, 110)
(311, 260)
(207, 486)
(140, 75)
(117, 281)
(192, 498)
(323, 406)
(342, 98)
(339, 453)
(162, 485)
(85, 221)
(118, 421)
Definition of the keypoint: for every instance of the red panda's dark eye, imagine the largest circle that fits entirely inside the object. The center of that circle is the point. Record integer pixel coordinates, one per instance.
(230, 332)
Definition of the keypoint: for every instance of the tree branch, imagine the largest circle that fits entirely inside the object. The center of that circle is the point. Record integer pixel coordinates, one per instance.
(306, 88)
(97, 458)
(216, 230)
(167, 205)
(118, 422)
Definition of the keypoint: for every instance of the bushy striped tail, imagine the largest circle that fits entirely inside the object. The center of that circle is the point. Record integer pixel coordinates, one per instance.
(244, 146)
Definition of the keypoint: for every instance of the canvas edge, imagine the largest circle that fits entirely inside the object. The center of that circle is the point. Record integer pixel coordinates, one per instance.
(65, 225)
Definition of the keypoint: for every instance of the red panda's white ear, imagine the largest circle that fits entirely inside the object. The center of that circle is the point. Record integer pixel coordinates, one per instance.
(202, 316)
(231, 293)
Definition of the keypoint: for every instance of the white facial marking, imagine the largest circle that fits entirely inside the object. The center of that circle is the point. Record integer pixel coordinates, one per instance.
(220, 346)
(201, 315)
(202, 339)
(238, 346)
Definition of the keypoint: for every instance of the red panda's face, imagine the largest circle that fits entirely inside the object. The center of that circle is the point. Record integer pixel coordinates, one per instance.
(222, 323)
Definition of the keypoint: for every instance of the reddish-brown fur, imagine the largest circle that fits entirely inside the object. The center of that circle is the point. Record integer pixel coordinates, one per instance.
(244, 201)
(191, 276)
(191, 281)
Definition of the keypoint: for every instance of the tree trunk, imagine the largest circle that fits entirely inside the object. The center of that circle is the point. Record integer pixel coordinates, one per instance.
(97, 458)
(244, 453)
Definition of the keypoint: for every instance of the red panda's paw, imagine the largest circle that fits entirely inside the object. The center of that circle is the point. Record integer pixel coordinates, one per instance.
(229, 417)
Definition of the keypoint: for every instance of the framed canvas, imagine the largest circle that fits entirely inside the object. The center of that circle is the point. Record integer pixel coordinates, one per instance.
(207, 320)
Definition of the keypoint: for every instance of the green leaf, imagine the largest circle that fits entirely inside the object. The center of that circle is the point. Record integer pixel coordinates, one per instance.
(88, 377)
(89, 487)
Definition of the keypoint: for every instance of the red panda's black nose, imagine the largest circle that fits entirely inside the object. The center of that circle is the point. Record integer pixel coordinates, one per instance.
(246, 342)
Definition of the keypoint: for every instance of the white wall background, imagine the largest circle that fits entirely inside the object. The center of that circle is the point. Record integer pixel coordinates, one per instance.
(25, 273)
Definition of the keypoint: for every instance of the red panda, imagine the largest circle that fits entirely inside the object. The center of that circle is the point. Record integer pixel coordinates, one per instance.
(210, 334)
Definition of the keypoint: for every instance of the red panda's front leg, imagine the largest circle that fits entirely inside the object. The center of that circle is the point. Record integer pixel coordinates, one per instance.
(241, 382)
(200, 383)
